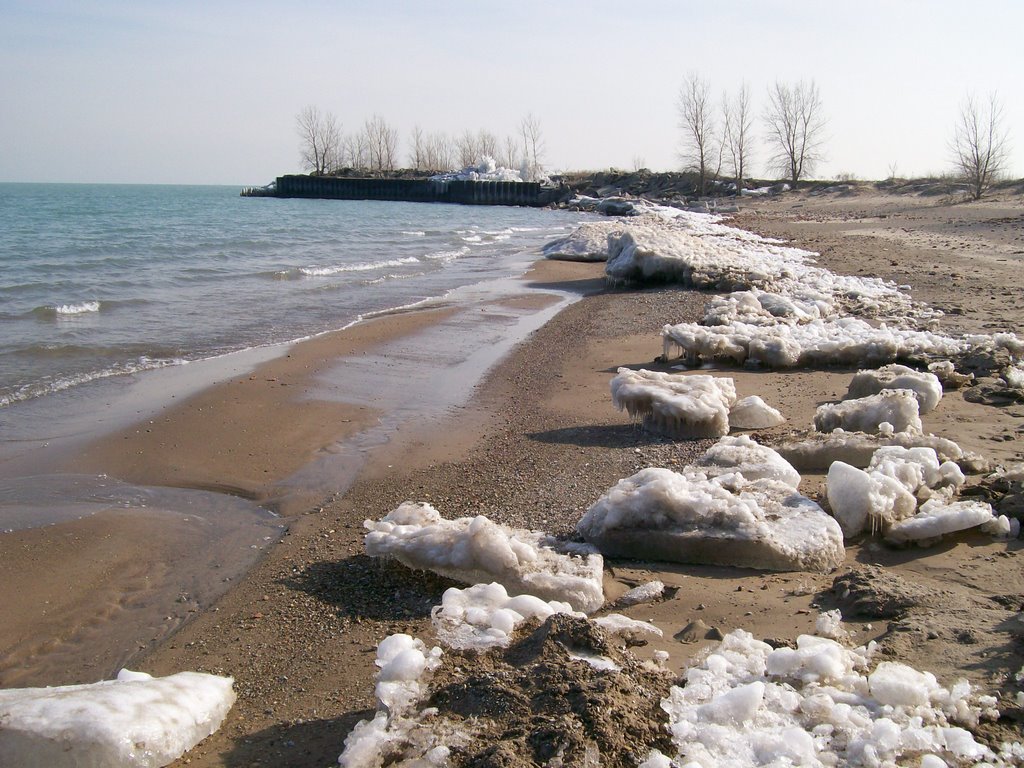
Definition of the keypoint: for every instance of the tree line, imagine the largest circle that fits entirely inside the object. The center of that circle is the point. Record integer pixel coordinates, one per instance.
(718, 135)
(374, 147)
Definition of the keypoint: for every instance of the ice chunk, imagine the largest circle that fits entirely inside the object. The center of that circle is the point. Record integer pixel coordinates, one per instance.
(745, 704)
(830, 624)
(936, 519)
(645, 593)
(897, 407)
(617, 624)
(136, 720)
(484, 615)
(681, 406)
(925, 386)
(588, 242)
(663, 515)
(754, 413)
(744, 456)
(476, 550)
(817, 451)
(403, 661)
(860, 499)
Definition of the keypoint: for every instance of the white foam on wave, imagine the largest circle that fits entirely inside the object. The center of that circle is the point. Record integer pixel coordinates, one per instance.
(69, 310)
(414, 233)
(364, 266)
(447, 255)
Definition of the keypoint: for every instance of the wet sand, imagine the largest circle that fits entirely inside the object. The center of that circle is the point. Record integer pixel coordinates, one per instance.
(539, 441)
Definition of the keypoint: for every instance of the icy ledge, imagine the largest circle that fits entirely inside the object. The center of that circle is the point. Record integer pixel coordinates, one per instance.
(136, 720)
(474, 550)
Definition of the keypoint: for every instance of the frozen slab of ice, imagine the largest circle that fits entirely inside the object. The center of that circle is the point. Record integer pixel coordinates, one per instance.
(896, 407)
(937, 518)
(677, 405)
(746, 704)
(478, 551)
(658, 514)
(840, 341)
(757, 307)
(817, 451)
(861, 500)
(925, 386)
(745, 456)
(135, 720)
(754, 413)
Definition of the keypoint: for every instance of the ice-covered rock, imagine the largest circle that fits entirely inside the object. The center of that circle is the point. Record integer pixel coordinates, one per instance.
(135, 720)
(818, 704)
(897, 407)
(484, 615)
(925, 386)
(677, 405)
(478, 551)
(936, 518)
(754, 413)
(588, 242)
(817, 450)
(746, 457)
(658, 514)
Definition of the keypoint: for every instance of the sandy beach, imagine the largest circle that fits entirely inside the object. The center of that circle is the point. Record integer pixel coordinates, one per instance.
(533, 444)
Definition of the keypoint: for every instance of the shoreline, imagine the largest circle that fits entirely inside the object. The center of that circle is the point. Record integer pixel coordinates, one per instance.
(534, 446)
(288, 434)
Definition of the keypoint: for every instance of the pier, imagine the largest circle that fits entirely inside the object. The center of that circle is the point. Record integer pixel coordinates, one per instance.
(523, 193)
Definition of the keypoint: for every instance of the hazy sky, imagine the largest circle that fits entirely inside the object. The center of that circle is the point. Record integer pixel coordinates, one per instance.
(207, 92)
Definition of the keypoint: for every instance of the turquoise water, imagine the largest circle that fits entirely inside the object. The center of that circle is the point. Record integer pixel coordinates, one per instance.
(105, 280)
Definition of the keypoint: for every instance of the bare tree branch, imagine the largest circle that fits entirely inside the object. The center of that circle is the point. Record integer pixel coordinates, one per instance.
(696, 120)
(795, 128)
(738, 132)
(533, 148)
(320, 140)
(980, 145)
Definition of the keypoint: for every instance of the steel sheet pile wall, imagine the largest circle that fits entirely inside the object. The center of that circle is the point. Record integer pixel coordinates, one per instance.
(414, 190)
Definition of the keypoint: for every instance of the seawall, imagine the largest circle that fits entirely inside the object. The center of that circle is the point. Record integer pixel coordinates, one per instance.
(416, 190)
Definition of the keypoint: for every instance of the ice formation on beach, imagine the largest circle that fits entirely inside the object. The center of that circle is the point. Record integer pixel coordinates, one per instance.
(822, 343)
(745, 456)
(819, 704)
(135, 720)
(680, 406)
(897, 408)
(588, 242)
(714, 514)
(478, 551)
(405, 666)
(885, 496)
(811, 451)
(925, 385)
(754, 413)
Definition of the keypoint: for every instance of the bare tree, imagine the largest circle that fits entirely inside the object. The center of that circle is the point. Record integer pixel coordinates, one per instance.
(320, 138)
(737, 132)
(382, 143)
(980, 146)
(795, 128)
(439, 152)
(696, 119)
(418, 151)
(468, 149)
(487, 144)
(511, 157)
(533, 147)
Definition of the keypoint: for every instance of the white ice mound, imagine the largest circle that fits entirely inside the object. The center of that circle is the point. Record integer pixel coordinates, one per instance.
(136, 720)
(677, 405)
(925, 386)
(748, 458)
(936, 518)
(746, 704)
(757, 307)
(895, 407)
(820, 343)
(658, 514)
(484, 616)
(478, 551)
(889, 489)
(588, 242)
(405, 667)
(860, 499)
(818, 451)
(754, 413)
(486, 170)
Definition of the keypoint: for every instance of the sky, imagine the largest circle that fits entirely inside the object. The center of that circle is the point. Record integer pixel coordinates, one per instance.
(207, 92)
